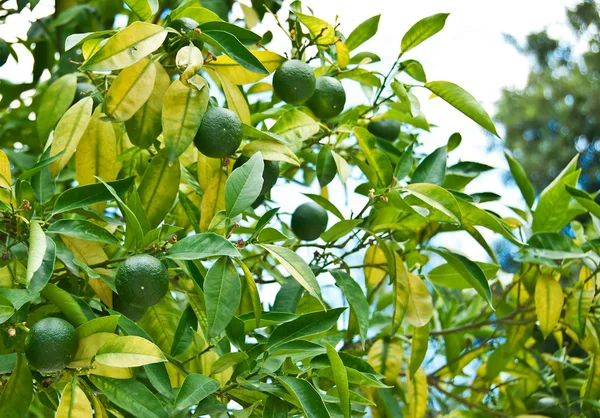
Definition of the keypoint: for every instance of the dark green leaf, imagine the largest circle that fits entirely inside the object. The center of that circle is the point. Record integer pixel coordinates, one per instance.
(82, 196)
(201, 246)
(222, 293)
(309, 398)
(195, 388)
(130, 395)
(82, 229)
(432, 169)
(235, 49)
(304, 326)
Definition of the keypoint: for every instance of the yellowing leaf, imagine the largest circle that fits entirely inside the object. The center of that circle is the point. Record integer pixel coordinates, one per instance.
(55, 102)
(130, 90)
(190, 60)
(73, 402)
(96, 154)
(238, 74)
(235, 99)
(182, 113)
(207, 167)
(386, 358)
(417, 394)
(401, 292)
(129, 351)
(127, 47)
(271, 150)
(159, 187)
(145, 126)
(343, 54)
(68, 132)
(213, 200)
(322, 32)
(420, 305)
(548, 302)
(5, 177)
(37, 249)
(375, 271)
(420, 343)
(578, 304)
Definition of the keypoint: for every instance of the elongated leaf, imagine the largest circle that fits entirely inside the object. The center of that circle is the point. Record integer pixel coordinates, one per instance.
(129, 351)
(239, 74)
(143, 9)
(82, 196)
(251, 288)
(422, 30)
(244, 185)
(432, 169)
(438, 198)
(42, 274)
(303, 326)
(229, 44)
(377, 160)
(385, 355)
(68, 132)
(226, 361)
(417, 394)
(295, 126)
(548, 303)
(213, 200)
(401, 287)
(222, 293)
(340, 230)
(518, 173)
(445, 275)
(325, 204)
(275, 408)
(159, 188)
(182, 114)
(462, 101)
(297, 267)
(322, 32)
(127, 47)
(18, 392)
(201, 246)
(130, 395)
(55, 102)
(553, 245)
(37, 249)
(235, 99)
(363, 32)
(420, 342)
(130, 90)
(326, 167)
(65, 303)
(73, 402)
(356, 299)
(309, 398)
(5, 177)
(82, 229)
(578, 305)
(195, 388)
(420, 305)
(340, 377)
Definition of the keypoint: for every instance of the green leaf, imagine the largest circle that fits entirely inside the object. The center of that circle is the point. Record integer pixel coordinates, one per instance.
(130, 351)
(326, 167)
(82, 229)
(195, 388)
(470, 271)
(143, 9)
(297, 267)
(246, 36)
(183, 334)
(414, 69)
(355, 377)
(55, 102)
(432, 169)
(585, 200)
(438, 198)
(244, 185)
(578, 306)
(275, 408)
(7, 363)
(195, 12)
(359, 306)
(340, 230)
(159, 187)
(65, 303)
(127, 47)
(462, 101)
(304, 326)
(200, 246)
(226, 361)
(83, 196)
(553, 245)
(422, 30)
(7, 309)
(182, 113)
(253, 291)
(340, 377)
(378, 161)
(325, 204)
(102, 324)
(271, 150)
(551, 212)
(232, 46)
(405, 164)
(363, 32)
(420, 342)
(445, 275)
(294, 127)
(222, 295)
(518, 173)
(18, 392)
(402, 95)
(309, 398)
(42, 275)
(130, 395)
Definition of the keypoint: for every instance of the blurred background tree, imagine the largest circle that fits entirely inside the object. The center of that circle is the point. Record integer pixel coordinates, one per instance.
(557, 114)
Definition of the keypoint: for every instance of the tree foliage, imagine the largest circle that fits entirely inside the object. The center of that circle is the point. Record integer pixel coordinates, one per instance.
(98, 164)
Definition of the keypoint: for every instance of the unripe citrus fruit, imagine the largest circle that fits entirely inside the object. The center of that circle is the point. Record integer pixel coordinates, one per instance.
(50, 345)
(385, 128)
(294, 82)
(142, 280)
(220, 133)
(4, 52)
(329, 98)
(131, 311)
(309, 220)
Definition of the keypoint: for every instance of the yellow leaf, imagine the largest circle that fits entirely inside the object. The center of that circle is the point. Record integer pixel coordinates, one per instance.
(73, 403)
(207, 168)
(375, 273)
(420, 305)
(68, 132)
(322, 32)
(417, 394)
(549, 300)
(213, 200)
(90, 47)
(55, 102)
(235, 99)
(182, 114)
(127, 47)
(5, 177)
(160, 322)
(271, 150)
(250, 16)
(386, 358)
(86, 350)
(190, 60)
(420, 343)
(130, 90)
(145, 126)
(238, 74)
(343, 54)
(159, 187)
(401, 292)
(97, 152)
(591, 390)
(578, 306)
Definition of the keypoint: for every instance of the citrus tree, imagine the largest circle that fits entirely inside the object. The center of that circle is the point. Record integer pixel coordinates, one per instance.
(147, 272)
